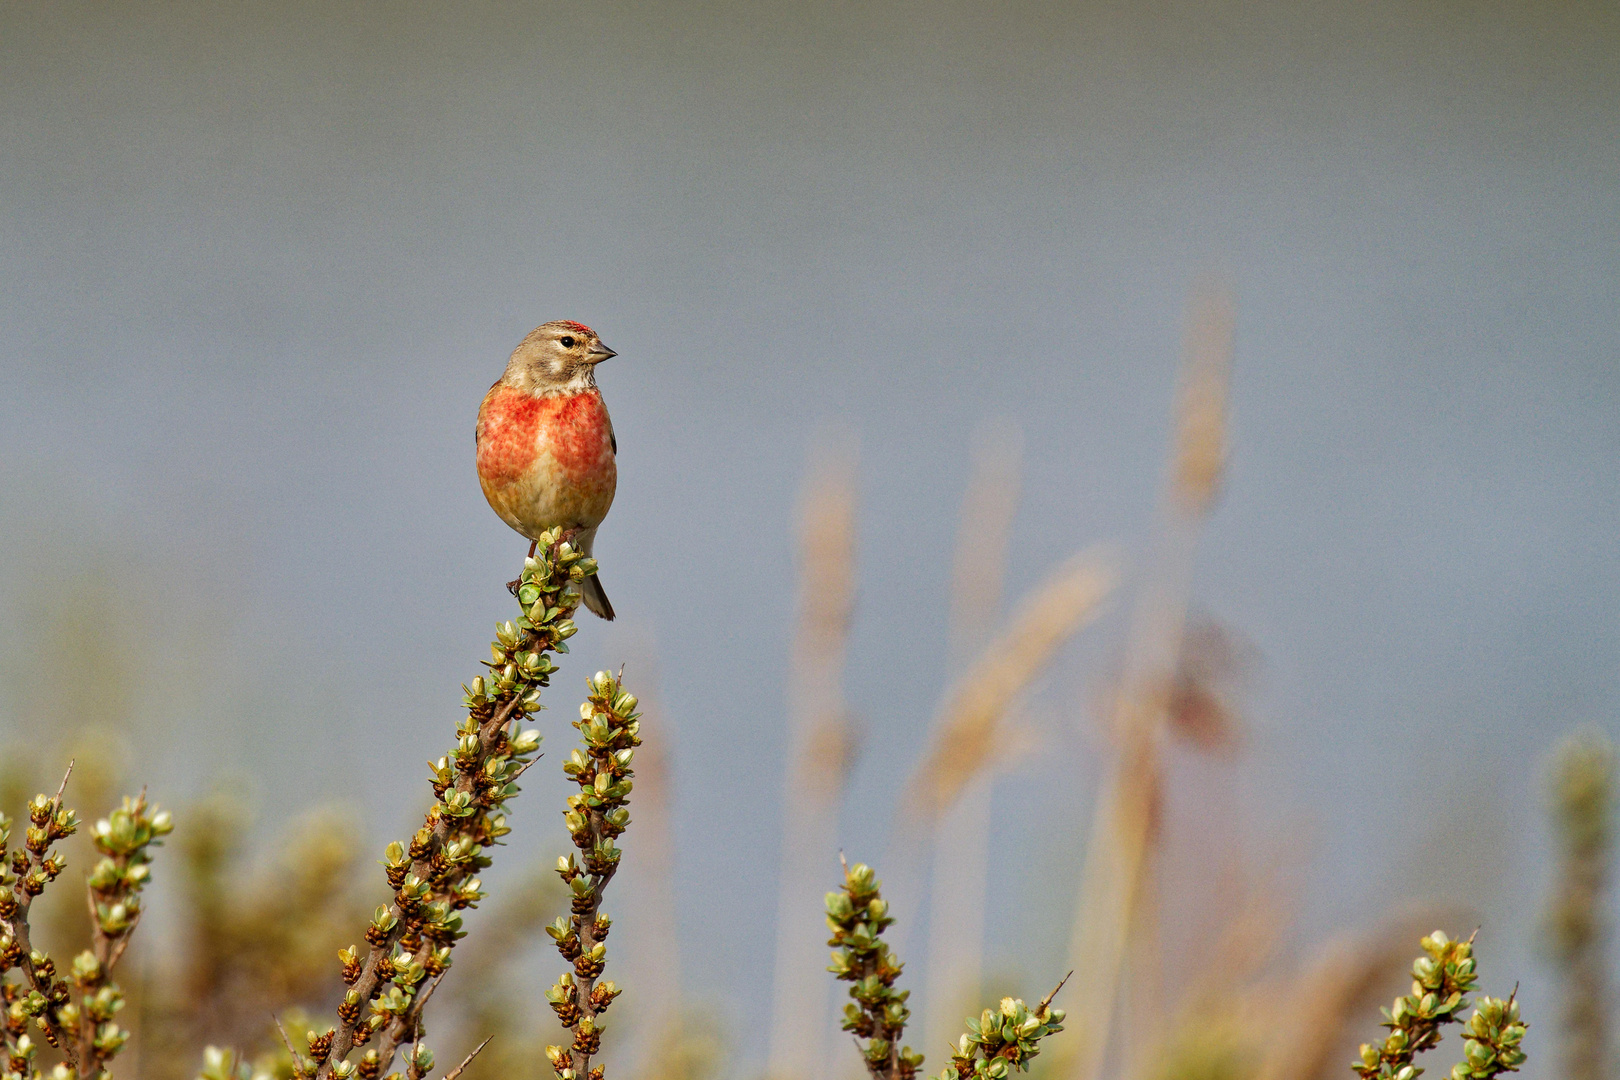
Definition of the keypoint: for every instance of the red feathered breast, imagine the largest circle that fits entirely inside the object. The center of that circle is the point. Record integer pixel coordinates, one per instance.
(516, 429)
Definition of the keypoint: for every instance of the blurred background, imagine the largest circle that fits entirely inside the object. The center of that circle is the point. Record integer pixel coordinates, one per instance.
(258, 264)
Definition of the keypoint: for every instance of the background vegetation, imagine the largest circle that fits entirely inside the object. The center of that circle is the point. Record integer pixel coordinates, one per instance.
(255, 925)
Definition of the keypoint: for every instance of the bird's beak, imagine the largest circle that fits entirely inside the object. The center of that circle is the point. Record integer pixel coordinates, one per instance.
(600, 352)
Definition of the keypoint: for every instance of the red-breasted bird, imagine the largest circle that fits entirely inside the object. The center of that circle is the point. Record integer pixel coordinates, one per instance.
(545, 443)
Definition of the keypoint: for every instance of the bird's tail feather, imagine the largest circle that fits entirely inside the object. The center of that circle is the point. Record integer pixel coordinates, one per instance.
(596, 598)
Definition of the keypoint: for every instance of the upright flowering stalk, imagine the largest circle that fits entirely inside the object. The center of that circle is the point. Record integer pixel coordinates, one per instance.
(857, 915)
(125, 839)
(40, 997)
(996, 1042)
(1440, 979)
(434, 877)
(74, 1017)
(609, 732)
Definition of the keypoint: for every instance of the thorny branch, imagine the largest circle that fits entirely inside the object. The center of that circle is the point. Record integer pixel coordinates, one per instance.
(857, 915)
(79, 1025)
(434, 876)
(32, 868)
(1440, 980)
(609, 729)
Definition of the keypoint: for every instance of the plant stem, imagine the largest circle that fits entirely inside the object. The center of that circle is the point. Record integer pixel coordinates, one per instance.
(609, 728)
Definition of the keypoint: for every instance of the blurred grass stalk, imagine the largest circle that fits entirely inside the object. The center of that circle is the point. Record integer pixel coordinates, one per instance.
(823, 741)
(956, 897)
(1582, 782)
(971, 719)
(1113, 894)
(971, 741)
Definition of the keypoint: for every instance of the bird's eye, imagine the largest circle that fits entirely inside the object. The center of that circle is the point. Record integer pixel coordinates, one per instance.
(568, 343)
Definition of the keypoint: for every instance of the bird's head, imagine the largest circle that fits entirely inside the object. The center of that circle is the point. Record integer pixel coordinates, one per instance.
(558, 356)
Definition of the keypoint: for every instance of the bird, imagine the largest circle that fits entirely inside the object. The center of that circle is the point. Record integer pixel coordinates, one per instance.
(546, 448)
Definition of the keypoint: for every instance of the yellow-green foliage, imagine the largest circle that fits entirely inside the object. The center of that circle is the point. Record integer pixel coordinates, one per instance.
(1440, 980)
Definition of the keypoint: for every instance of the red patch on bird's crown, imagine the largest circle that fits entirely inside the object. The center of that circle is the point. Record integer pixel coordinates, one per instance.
(577, 327)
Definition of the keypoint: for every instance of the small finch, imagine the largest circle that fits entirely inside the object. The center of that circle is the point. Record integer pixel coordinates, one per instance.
(545, 443)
